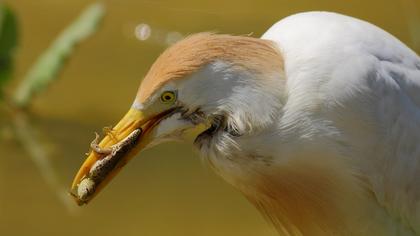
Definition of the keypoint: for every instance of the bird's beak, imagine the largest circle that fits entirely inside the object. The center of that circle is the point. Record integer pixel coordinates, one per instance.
(124, 141)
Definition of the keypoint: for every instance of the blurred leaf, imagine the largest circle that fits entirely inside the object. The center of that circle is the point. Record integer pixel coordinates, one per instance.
(8, 42)
(46, 68)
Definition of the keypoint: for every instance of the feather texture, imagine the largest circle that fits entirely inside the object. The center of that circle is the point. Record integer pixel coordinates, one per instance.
(364, 84)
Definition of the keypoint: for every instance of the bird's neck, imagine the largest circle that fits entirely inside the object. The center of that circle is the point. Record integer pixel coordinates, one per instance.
(311, 194)
(299, 198)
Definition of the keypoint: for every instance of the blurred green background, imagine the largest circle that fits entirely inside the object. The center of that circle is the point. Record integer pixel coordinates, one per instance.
(166, 190)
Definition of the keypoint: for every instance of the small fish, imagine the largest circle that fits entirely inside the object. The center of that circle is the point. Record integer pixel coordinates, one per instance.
(87, 187)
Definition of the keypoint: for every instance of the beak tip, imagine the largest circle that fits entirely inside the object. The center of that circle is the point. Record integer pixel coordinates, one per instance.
(75, 198)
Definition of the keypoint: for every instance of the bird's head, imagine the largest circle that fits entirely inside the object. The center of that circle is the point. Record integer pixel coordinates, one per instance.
(203, 87)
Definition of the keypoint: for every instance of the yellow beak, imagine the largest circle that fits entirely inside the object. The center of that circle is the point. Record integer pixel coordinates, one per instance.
(120, 145)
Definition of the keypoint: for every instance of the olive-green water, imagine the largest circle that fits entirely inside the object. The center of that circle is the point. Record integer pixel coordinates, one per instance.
(166, 190)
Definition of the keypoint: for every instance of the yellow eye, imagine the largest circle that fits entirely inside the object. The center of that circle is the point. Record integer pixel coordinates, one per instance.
(168, 97)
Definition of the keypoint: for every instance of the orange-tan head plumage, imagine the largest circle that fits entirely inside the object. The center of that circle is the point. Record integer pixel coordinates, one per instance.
(197, 50)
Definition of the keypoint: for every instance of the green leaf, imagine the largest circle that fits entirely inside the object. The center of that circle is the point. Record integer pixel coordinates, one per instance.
(46, 68)
(8, 42)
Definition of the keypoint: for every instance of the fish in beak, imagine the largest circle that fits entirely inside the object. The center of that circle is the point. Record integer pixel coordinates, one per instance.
(136, 131)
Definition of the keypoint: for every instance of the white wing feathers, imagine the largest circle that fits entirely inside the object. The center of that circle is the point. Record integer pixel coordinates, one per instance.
(398, 112)
(368, 83)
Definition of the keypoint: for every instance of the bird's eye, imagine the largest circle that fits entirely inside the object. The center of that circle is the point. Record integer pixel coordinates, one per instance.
(168, 97)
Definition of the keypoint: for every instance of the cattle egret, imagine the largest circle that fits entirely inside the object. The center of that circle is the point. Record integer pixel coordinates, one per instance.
(317, 123)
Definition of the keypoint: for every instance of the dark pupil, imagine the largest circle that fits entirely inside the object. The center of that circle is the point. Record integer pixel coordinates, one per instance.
(167, 97)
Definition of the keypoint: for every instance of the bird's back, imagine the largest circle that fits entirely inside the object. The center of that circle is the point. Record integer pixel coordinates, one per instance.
(367, 84)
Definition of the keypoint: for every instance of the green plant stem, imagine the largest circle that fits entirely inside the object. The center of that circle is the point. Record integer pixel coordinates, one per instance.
(26, 136)
(45, 70)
